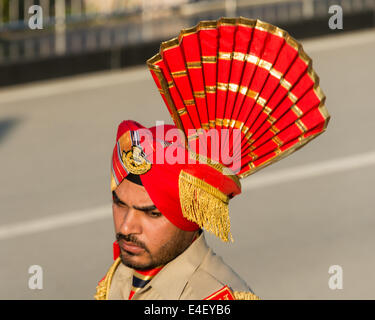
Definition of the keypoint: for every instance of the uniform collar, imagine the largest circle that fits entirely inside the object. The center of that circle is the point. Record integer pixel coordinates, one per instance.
(171, 280)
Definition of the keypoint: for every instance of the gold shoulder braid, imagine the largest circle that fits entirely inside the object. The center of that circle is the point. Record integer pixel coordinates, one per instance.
(245, 295)
(102, 288)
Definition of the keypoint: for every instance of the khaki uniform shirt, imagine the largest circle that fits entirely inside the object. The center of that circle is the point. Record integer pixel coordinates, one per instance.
(195, 274)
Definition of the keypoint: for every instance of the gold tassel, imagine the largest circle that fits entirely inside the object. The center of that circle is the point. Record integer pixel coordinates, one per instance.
(205, 205)
(245, 295)
(102, 289)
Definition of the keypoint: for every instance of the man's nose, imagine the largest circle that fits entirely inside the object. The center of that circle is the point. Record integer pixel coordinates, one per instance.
(131, 223)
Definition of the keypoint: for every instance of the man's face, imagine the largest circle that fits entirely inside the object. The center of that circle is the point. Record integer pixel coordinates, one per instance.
(147, 239)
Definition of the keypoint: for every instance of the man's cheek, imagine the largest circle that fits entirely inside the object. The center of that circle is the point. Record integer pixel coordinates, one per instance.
(117, 220)
(116, 225)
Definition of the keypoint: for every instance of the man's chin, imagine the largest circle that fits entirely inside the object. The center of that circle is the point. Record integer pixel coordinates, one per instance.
(134, 261)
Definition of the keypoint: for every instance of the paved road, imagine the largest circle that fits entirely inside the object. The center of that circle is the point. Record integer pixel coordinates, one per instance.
(293, 221)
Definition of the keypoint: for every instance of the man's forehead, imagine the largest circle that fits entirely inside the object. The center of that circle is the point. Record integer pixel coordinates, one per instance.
(133, 195)
(128, 185)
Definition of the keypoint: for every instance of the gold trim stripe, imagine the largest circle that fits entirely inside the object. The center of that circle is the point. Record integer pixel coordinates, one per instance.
(238, 124)
(199, 94)
(248, 135)
(181, 111)
(253, 155)
(170, 44)
(189, 102)
(233, 87)
(271, 120)
(177, 74)
(243, 90)
(239, 56)
(209, 59)
(143, 277)
(194, 64)
(206, 25)
(210, 89)
(274, 129)
(277, 74)
(265, 64)
(301, 125)
(298, 112)
(252, 94)
(319, 93)
(267, 110)
(285, 84)
(251, 147)
(292, 97)
(324, 112)
(262, 26)
(225, 55)
(277, 140)
(222, 86)
(205, 126)
(187, 32)
(155, 59)
(245, 129)
(226, 122)
(223, 21)
(261, 101)
(247, 23)
(252, 59)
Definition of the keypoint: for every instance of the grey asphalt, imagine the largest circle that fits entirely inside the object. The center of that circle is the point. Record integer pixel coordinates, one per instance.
(56, 139)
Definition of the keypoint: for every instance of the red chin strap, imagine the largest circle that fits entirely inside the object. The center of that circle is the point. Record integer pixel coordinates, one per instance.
(116, 250)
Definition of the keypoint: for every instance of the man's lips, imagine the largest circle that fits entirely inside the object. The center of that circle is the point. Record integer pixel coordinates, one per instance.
(130, 246)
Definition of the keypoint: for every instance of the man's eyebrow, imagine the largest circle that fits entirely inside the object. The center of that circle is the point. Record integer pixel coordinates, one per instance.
(146, 208)
(116, 199)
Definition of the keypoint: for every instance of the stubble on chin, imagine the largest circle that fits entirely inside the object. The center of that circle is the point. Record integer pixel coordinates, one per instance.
(166, 253)
(126, 259)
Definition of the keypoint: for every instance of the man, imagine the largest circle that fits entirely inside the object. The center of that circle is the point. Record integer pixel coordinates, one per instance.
(160, 256)
(243, 95)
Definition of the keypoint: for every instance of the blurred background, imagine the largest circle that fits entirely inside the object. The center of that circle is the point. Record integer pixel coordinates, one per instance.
(91, 35)
(66, 87)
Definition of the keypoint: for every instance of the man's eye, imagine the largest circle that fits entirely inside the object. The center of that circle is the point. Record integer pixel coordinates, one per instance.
(119, 204)
(154, 214)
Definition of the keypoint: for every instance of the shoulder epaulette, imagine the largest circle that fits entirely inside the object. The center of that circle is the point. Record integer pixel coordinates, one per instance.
(245, 295)
(222, 294)
(226, 294)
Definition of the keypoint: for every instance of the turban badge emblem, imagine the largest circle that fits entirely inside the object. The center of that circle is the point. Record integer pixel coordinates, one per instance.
(135, 161)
